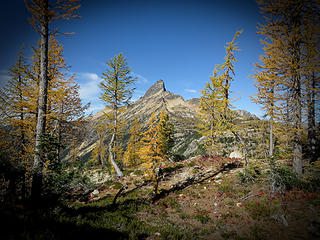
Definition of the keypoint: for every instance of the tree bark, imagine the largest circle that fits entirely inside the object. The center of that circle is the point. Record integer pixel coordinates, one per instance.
(42, 102)
(271, 139)
(22, 134)
(112, 143)
(297, 141)
(114, 164)
(244, 149)
(311, 120)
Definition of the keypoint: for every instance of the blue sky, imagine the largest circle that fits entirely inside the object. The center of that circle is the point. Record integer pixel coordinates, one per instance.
(179, 42)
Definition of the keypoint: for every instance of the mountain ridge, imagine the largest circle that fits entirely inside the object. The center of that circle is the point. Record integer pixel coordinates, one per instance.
(183, 114)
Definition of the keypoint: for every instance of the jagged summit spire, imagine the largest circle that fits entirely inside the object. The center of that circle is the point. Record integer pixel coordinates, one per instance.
(155, 88)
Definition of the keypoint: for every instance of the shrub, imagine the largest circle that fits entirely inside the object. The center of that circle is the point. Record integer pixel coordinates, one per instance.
(58, 179)
(259, 209)
(311, 177)
(282, 178)
(191, 164)
(138, 172)
(117, 185)
(178, 157)
(249, 174)
(171, 169)
(203, 218)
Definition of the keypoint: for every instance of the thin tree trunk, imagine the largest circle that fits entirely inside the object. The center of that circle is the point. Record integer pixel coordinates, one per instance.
(297, 141)
(311, 120)
(212, 137)
(42, 102)
(244, 149)
(22, 134)
(112, 144)
(57, 128)
(295, 47)
(100, 153)
(114, 164)
(271, 138)
(271, 144)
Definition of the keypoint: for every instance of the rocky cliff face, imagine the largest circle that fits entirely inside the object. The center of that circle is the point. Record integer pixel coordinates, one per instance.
(183, 114)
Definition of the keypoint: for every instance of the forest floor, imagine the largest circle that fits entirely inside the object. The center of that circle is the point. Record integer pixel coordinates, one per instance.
(212, 202)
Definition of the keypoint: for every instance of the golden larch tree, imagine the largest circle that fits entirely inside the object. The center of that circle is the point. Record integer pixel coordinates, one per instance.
(288, 63)
(216, 103)
(117, 90)
(42, 15)
(131, 156)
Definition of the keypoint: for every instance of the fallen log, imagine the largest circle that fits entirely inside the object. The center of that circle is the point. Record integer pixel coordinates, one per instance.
(177, 186)
(118, 194)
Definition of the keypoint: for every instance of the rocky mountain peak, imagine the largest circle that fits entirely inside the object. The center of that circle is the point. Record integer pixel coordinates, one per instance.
(158, 87)
(183, 115)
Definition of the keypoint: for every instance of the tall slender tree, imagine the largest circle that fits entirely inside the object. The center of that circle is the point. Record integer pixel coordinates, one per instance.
(64, 107)
(287, 64)
(210, 107)
(14, 110)
(311, 71)
(116, 92)
(42, 14)
(215, 102)
(268, 93)
(166, 129)
(227, 69)
(150, 153)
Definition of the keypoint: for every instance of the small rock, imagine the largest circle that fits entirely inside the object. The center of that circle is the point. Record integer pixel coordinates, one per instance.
(95, 192)
(280, 219)
(236, 154)
(284, 220)
(218, 181)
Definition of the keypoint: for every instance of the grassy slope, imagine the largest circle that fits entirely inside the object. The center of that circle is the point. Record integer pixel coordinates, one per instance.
(218, 208)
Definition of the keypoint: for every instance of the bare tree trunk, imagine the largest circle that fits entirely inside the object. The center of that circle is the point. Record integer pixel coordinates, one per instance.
(297, 141)
(22, 133)
(244, 149)
(57, 128)
(100, 154)
(271, 145)
(271, 139)
(114, 164)
(311, 120)
(295, 47)
(42, 102)
(112, 144)
(212, 137)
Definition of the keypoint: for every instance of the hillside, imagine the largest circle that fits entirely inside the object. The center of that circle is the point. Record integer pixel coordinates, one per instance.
(200, 198)
(183, 114)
